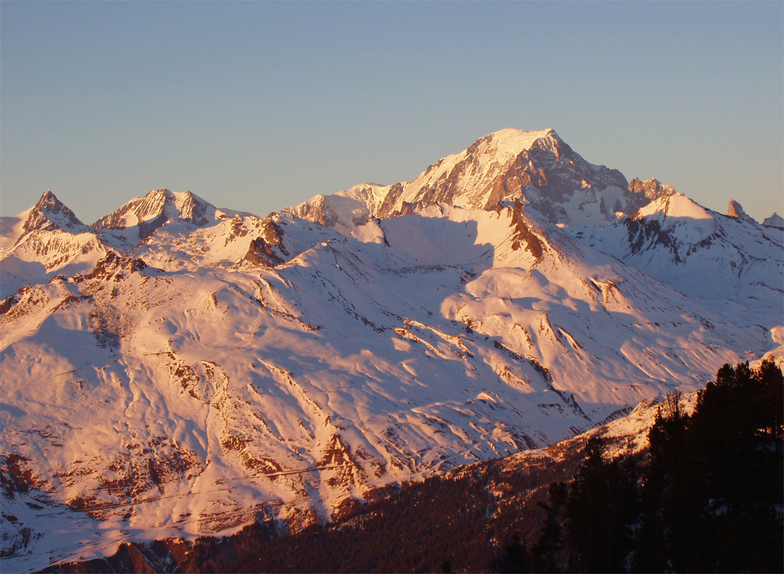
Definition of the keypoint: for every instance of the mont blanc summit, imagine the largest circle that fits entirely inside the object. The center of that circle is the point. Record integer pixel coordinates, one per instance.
(182, 369)
(536, 167)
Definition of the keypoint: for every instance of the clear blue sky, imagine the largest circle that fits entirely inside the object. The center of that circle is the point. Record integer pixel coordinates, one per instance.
(259, 105)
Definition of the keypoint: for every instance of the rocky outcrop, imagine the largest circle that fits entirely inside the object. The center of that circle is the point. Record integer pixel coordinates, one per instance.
(523, 236)
(52, 215)
(736, 210)
(640, 193)
(152, 211)
(316, 210)
(264, 249)
(260, 253)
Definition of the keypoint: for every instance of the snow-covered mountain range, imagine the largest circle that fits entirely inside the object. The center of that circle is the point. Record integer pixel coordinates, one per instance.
(180, 369)
(538, 167)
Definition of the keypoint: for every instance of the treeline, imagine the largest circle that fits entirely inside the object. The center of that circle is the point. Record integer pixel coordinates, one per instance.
(439, 524)
(709, 498)
(458, 522)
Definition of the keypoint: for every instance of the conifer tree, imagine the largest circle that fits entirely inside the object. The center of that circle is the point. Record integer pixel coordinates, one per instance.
(545, 554)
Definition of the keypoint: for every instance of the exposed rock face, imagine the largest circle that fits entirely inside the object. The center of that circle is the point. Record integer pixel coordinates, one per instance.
(393, 195)
(194, 210)
(557, 172)
(267, 249)
(523, 236)
(347, 209)
(317, 210)
(260, 253)
(112, 268)
(546, 172)
(534, 167)
(153, 210)
(641, 193)
(51, 214)
(147, 209)
(650, 189)
(736, 210)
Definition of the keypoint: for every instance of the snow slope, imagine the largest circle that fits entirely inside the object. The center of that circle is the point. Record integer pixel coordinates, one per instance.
(189, 398)
(42, 241)
(178, 369)
(721, 261)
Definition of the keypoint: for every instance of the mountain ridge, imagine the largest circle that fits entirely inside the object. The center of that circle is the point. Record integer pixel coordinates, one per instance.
(174, 348)
(535, 167)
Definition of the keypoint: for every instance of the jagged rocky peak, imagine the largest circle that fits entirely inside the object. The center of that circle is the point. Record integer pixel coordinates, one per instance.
(110, 266)
(503, 166)
(193, 208)
(736, 210)
(774, 220)
(650, 189)
(316, 210)
(51, 236)
(155, 209)
(52, 214)
(537, 167)
(640, 193)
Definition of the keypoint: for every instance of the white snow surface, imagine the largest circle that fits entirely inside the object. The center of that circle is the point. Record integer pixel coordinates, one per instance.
(42, 241)
(719, 260)
(774, 220)
(496, 168)
(228, 367)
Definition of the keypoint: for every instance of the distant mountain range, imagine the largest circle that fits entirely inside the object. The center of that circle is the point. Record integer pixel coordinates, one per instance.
(181, 369)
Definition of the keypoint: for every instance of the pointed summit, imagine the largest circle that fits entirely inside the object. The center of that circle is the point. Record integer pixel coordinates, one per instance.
(774, 220)
(650, 189)
(52, 214)
(735, 210)
(51, 236)
(506, 165)
(192, 208)
(150, 212)
(537, 167)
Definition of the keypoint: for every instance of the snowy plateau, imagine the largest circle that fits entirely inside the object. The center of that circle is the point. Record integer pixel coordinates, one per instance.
(177, 369)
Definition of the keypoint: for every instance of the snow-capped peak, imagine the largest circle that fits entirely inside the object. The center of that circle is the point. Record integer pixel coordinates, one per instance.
(230, 367)
(511, 164)
(150, 212)
(51, 213)
(677, 206)
(45, 240)
(774, 220)
(515, 141)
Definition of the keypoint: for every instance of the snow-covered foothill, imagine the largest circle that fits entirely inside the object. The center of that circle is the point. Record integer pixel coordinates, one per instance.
(716, 259)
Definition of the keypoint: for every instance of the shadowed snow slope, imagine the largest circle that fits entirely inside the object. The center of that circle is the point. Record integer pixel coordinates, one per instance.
(721, 260)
